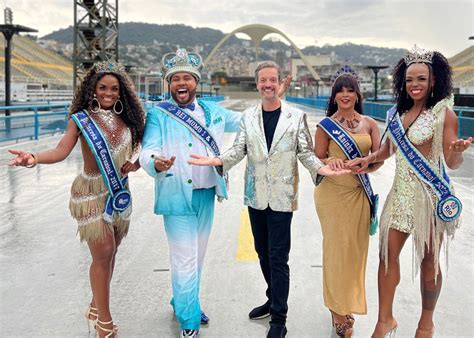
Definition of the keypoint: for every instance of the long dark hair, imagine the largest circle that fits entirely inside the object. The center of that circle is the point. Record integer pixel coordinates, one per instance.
(443, 85)
(349, 82)
(132, 115)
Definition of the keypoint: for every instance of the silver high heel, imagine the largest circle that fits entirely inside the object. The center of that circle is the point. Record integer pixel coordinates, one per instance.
(392, 332)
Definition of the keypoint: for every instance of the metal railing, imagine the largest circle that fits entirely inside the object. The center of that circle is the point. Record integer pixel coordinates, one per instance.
(33, 121)
(378, 110)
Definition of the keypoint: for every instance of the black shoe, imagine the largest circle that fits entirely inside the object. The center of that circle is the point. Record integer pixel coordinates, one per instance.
(204, 318)
(277, 331)
(261, 311)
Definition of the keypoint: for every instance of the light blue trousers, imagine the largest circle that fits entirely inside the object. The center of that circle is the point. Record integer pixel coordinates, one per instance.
(187, 238)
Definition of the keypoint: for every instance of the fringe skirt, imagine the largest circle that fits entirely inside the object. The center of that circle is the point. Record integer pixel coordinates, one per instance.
(87, 205)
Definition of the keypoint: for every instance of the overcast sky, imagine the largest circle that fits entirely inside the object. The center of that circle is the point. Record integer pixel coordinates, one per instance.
(432, 24)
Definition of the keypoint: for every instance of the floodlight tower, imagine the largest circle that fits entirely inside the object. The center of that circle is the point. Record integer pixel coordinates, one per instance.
(8, 30)
(95, 34)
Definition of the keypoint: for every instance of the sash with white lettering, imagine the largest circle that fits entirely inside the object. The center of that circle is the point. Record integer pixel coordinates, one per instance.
(119, 197)
(189, 122)
(351, 150)
(449, 207)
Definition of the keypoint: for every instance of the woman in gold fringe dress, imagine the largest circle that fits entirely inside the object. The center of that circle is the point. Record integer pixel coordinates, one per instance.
(343, 207)
(107, 96)
(423, 88)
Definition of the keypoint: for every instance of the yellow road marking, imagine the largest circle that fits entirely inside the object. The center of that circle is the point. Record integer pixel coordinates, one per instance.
(245, 248)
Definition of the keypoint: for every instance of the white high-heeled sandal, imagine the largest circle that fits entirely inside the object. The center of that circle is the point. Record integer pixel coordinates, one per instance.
(91, 312)
(109, 332)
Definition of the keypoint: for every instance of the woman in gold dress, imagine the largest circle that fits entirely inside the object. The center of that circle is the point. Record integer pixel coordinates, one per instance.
(423, 89)
(343, 207)
(107, 98)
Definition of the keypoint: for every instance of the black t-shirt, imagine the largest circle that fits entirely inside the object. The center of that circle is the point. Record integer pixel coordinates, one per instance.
(270, 121)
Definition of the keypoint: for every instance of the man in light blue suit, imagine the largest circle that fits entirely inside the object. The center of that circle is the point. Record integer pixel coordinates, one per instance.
(185, 194)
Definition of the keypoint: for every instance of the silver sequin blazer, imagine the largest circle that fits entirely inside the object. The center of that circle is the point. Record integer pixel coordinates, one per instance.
(271, 177)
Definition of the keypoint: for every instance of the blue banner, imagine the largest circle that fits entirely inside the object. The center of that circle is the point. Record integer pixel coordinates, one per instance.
(119, 197)
(449, 206)
(189, 122)
(352, 151)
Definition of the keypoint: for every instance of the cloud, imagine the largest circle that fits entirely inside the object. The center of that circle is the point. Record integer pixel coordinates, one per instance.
(389, 23)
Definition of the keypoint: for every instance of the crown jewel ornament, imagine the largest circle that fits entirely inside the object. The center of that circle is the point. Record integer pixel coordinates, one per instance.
(181, 61)
(346, 70)
(109, 67)
(418, 55)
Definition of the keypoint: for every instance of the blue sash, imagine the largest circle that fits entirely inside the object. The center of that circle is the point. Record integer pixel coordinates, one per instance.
(449, 207)
(189, 122)
(119, 198)
(351, 150)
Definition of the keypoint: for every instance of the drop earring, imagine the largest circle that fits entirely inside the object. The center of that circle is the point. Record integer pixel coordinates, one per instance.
(118, 112)
(97, 108)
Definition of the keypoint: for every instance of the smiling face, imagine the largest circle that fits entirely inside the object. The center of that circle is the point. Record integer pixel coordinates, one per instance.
(346, 98)
(107, 91)
(183, 88)
(417, 81)
(268, 83)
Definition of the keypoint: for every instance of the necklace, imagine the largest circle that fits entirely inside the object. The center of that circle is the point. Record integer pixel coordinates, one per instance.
(352, 125)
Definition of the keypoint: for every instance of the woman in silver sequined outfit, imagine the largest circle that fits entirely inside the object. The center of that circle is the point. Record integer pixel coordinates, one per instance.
(423, 89)
(107, 96)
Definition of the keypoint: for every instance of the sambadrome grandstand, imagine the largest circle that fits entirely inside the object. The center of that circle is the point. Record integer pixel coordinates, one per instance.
(37, 73)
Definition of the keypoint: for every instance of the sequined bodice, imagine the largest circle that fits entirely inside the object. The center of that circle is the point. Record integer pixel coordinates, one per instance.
(422, 129)
(116, 132)
(118, 136)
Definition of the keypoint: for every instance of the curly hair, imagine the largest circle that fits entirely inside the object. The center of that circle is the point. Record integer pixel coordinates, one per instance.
(349, 82)
(439, 69)
(132, 115)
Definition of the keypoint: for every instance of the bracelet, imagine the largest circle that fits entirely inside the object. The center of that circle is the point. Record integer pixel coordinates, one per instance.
(34, 163)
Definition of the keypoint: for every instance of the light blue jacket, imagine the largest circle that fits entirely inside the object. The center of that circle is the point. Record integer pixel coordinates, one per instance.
(164, 136)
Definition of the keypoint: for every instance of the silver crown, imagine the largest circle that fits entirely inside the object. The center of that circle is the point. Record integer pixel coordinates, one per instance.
(109, 67)
(181, 61)
(418, 55)
(346, 70)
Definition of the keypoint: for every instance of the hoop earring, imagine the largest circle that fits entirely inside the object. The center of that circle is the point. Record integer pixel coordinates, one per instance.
(432, 93)
(92, 109)
(115, 107)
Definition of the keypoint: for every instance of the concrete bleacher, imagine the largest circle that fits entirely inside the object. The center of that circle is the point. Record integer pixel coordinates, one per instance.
(37, 64)
(463, 68)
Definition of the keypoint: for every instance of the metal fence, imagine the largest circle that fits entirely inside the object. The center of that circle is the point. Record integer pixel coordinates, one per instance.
(33, 121)
(378, 110)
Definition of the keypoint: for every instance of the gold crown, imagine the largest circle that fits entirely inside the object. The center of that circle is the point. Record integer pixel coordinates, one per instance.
(418, 55)
(109, 67)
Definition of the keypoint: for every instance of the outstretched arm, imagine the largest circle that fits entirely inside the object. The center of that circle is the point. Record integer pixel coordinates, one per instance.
(62, 150)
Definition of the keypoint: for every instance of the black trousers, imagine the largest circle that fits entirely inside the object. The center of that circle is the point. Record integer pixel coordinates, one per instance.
(272, 238)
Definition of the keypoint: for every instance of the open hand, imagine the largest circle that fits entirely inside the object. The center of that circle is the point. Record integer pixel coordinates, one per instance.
(358, 165)
(460, 145)
(328, 171)
(22, 158)
(163, 164)
(129, 167)
(204, 160)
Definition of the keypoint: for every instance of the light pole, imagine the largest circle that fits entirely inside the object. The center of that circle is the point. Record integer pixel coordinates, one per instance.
(8, 30)
(376, 70)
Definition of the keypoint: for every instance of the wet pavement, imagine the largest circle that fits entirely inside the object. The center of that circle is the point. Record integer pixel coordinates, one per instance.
(44, 286)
